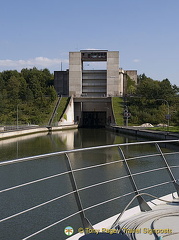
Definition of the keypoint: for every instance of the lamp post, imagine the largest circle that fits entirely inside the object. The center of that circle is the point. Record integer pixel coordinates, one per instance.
(168, 111)
(127, 115)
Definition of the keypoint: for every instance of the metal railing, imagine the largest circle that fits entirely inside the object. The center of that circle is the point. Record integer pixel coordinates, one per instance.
(11, 128)
(75, 191)
(54, 111)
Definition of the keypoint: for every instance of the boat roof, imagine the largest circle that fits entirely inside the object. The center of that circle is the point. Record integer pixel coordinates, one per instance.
(161, 222)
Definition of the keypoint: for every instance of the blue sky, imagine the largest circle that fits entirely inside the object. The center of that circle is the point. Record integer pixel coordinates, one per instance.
(41, 33)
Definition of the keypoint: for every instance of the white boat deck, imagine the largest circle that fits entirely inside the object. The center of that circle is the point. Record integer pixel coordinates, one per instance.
(162, 221)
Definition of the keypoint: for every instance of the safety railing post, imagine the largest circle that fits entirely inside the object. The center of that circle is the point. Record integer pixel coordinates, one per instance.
(142, 203)
(168, 169)
(86, 223)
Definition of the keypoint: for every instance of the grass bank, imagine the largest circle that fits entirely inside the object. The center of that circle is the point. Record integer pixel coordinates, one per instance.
(118, 108)
(62, 106)
(169, 129)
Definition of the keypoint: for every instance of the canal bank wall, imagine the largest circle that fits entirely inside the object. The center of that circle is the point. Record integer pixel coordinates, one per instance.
(141, 132)
(21, 132)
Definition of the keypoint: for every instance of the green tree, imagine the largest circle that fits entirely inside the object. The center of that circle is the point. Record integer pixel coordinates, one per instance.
(32, 90)
(13, 85)
(145, 107)
(148, 88)
(166, 89)
(131, 86)
(23, 89)
(51, 93)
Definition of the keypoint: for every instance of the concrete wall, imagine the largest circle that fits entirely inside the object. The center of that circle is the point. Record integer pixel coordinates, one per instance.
(93, 83)
(153, 135)
(94, 106)
(78, 112)
(75, 74)
(113, 85)
(11, 134)
(114, 78)
(68, 116)
(121, 82)
(61, 82)
(100, 107)
(132, 74)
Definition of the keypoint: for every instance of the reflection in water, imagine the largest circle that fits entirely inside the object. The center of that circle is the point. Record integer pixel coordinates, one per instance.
(42, 143)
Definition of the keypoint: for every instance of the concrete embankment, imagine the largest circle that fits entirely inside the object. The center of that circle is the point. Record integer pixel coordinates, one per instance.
(10, 134)
(141, 132)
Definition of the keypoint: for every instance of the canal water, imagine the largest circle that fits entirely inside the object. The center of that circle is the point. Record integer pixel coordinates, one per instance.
(42, 143)
(23, 198)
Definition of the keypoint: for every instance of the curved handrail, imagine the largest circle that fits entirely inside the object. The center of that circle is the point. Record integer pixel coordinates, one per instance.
(127, 206)
(76, 190)
(80, 150)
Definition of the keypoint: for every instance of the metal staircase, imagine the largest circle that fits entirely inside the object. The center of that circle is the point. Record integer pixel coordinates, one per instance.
(54, 112)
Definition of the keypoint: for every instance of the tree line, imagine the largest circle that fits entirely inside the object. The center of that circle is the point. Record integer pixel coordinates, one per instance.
(29, 93)
(150, 100)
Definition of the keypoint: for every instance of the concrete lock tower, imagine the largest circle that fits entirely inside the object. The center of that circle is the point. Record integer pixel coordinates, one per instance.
(91, 90)
(95, 83)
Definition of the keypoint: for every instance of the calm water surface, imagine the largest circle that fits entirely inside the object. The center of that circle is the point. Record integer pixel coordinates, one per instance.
(42, 143)
(23, 198)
